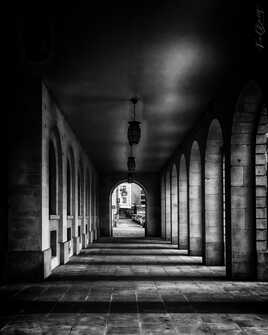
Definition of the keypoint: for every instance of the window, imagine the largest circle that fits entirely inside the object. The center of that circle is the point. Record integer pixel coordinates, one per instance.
(143, 198)
(69, 234)
(53, 243)
(69, 188)
(123, 190)
(52, 180)
(79, 194)
(87, 195)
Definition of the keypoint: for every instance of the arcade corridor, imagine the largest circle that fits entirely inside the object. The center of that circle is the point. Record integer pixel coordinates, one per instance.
(137, 170)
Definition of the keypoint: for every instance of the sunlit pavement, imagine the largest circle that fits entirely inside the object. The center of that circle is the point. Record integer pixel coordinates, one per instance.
(128, 228)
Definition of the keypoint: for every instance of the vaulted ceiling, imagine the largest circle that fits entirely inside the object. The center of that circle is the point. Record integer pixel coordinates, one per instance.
(174, 55)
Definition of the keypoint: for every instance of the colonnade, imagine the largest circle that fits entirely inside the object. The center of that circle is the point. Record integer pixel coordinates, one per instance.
(71, 202)
(214, 190)
(69, 192)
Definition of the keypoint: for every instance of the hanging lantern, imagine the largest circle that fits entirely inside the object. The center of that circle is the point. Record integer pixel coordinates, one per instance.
(131, 164)
(134, 130)
(130, 178)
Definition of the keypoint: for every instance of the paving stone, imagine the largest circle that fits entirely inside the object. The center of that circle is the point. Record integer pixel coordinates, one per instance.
(138, 286)
(120, 329)
(88, 330)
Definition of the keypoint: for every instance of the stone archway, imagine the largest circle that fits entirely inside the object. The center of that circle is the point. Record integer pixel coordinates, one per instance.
(183, 205)
(174, 205)
(163, 208)
(214, 225)
(243, 233)
(70, 190)
(138, 213)
(195, 202)
(168, 206)
(55, 197)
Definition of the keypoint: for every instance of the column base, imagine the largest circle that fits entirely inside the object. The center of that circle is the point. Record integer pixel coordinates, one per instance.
(76, 245)
(262, 265)
(29, 265)
(91, 237)
(195, 253)
(212, 262)
(64, 252)
(70, 248)
(84, 240)
(243, 271)
(214, 254)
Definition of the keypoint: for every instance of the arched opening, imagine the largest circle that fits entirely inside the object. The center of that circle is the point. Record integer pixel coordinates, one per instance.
(53, 179)
(261, 178)
(70, 200)
(183, 205)
(92, 204)
(168, 208)
(69, 206)
(85, 236)
(80, 181)
(163, 208)
(128, 210)
(174, 205)
(87, 193)
(79, 193)
(214, 196)
(195, 202)
(242, 258)
(69, 188)
(55, 196)
(94, 209)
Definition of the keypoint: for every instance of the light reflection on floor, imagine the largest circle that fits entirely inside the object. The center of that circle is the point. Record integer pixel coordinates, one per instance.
(129, 229)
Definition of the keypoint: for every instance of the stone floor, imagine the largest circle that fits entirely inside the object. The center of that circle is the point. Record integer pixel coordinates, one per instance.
(128, 228)
(135, 286)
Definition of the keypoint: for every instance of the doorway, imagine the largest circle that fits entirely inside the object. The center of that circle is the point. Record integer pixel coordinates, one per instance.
(128, 211)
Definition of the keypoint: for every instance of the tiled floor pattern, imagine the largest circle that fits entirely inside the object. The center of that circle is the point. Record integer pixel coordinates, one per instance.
(107, 291)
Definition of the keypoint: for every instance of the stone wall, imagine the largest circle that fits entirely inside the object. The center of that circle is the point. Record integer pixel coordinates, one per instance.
(35, 120)
(261, 195)
(183, 205)
(24, 243)
(174, 205)
(195, 205)
(84, 225)
(163, 207)
(168, 204)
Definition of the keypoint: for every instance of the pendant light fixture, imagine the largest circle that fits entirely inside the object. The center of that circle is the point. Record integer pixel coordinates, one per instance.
(130, 178)
(131, 163)
(134, 130)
